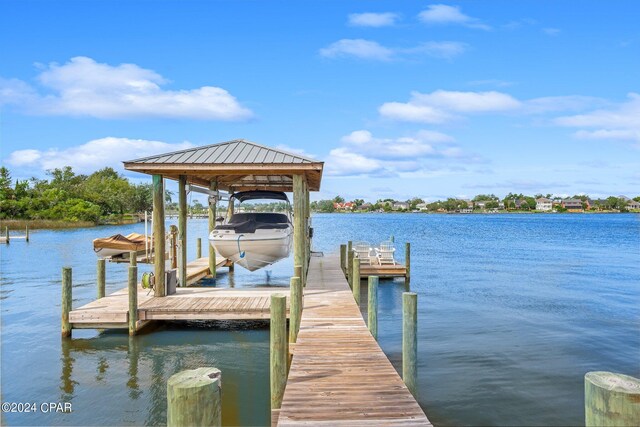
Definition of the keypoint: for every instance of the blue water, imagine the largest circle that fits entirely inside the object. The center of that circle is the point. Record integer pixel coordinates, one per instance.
(513, 311)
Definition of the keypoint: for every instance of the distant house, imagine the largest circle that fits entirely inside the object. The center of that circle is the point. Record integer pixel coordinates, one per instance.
(466, 210)
(346, 206)
(365, 206)
(401, 206)
(572, 205)
(421, 206)
(522, 204)
(633, 205)
(468, 202)
(544, 204)
(481, 204)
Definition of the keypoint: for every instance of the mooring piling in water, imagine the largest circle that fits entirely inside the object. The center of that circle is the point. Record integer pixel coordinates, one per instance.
(355, 281)
(101, 279)
(194, 398)
(407, 262)
(278, 349)
(26, 232)
(410, 340)
(199, 248)
(133, 299)
(372, 309)
(611, 399)
(67, 286)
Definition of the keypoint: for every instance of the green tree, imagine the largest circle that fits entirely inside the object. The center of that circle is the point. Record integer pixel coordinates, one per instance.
(338, 199)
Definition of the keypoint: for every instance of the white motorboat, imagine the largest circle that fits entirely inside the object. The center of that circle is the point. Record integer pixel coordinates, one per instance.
(255, 240)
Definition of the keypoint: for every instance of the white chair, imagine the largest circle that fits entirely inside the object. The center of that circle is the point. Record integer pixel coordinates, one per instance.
(384, 253)
(363, 252)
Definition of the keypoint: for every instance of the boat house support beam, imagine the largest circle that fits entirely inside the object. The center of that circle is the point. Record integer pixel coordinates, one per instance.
(298, 225)
(158, 235)
(182, 230)
(213, 185)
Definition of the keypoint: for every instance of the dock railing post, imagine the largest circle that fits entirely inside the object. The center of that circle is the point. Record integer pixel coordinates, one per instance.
(372, 310)
(297, 271)
(26, 232)
(194, 398)
(343, 257)
(101, 272)
(355, 281)
(278, 349)
(67, 299)
(410, 340)
(295, 308)
(133, 299)
(199, 248)
(407, 262)
(611, 399)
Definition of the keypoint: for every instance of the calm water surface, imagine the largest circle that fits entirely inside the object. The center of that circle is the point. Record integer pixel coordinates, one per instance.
(513, 310)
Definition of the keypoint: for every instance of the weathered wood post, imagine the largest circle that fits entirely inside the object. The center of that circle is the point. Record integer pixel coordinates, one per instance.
(194, 398)
(182, 230)
(295, 308)
(355, 281)
(26, 232)
(173, 240)
(349, 260)
(297, 271)
(6, 233)
(101, 273)
(67, 299)
(407, 261)
(133, 299)
(133, 258)
(212, 224)
(343, 257)
(611, 399)
(372, 310)
(158, 236)
(410, 340)
(199, 248)
(298, 224)
(279, 349)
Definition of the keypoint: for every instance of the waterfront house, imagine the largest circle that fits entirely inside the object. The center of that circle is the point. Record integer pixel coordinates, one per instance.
(633, 205)
(346, 206)
(572, 205)
(398, 206)
(421, 206)
(544, 204)
(365, 207)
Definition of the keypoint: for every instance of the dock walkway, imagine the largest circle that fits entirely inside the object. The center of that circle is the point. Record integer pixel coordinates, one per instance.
(339, 375)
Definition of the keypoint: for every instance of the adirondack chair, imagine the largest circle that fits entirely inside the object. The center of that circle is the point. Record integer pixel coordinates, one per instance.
(363, 252)
(384, 253)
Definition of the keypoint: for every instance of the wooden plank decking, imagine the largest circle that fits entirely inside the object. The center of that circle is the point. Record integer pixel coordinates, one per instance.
(339, 375)
(387, 270)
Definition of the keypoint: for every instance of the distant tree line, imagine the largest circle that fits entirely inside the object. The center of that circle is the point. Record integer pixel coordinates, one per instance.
(68, 196)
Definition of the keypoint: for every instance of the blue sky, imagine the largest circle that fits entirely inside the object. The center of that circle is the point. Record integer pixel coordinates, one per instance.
(400, 99)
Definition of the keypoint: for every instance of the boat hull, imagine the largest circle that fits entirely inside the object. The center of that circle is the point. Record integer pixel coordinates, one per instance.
(253, 251)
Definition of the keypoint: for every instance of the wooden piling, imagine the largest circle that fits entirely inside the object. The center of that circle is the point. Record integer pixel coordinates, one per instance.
(67, 299)
(26, 232)
(194, 398)
(158, 236)
(133, 299)
(101, 273)
(343, 257)
(410, 340)
(173, 241)
(297, 271)
(355, 282)
(278, 349)
(295, 308)
(182, 230)
(298, 224)
(133, 258)
(350, 256)
(6, 233)
(611, 399)
(199, 248)
(407, 261)
(372, 309)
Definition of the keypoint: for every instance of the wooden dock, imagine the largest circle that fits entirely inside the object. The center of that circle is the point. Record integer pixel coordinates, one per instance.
(188, 303)
(339, 375)
(382, 271)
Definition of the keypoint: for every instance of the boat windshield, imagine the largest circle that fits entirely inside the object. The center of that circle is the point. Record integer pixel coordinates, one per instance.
(262, 217)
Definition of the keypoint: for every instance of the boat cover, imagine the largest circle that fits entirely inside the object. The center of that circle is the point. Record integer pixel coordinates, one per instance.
(250, 222)
(130, 242)
(243, 196)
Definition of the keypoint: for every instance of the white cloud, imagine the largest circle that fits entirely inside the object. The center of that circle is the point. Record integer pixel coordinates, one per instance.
(84, 87)
(93, 155)
(364, 154)
(551, 31)
(445, 49)
(619, 122)
(440, 106)
(359, 48)
(445, 14)
(373, 19)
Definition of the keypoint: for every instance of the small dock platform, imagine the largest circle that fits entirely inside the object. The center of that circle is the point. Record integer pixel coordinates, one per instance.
(383, 271)
(339, 375)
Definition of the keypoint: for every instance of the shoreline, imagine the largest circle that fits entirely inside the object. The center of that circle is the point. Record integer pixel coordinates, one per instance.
(52, 224)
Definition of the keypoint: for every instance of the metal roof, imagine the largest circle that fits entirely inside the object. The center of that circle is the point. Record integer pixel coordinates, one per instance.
(238, 151)
(237, 165)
